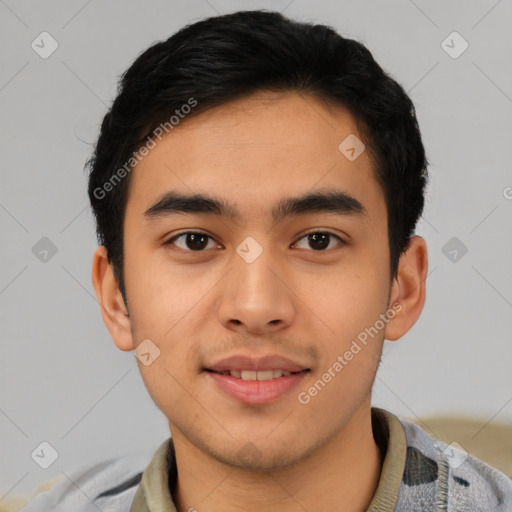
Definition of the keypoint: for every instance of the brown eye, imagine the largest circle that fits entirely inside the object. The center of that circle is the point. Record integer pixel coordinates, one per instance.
(320, 240)
(191, 241)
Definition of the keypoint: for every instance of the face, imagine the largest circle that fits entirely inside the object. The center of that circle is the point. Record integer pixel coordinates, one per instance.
(300, 283)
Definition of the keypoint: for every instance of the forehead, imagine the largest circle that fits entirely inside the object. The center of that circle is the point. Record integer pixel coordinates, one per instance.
(256, 151)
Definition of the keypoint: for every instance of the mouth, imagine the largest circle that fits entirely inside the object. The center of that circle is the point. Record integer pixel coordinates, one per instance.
(255, 388)
(262, 375)
(253, 379)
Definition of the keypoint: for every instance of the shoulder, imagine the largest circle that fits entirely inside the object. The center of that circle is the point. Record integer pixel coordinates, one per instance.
(108, 485)
(461, 480)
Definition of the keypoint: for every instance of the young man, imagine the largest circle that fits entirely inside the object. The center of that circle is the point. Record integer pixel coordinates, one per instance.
(256, 185)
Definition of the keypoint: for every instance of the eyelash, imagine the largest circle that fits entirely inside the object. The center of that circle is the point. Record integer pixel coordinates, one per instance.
(176, 237)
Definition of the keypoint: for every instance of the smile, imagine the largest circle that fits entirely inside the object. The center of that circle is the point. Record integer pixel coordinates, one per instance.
(257, 375)
(256, 388)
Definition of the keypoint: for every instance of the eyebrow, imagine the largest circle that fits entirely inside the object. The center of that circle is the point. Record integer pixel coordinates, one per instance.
(319, 201)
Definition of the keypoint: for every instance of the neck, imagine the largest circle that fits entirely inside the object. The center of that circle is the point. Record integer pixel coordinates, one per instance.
(342, 475)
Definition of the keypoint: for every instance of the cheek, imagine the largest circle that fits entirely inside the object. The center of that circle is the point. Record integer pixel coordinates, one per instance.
(352, 306)
(160, 294)
(349, 301)
(164, 302)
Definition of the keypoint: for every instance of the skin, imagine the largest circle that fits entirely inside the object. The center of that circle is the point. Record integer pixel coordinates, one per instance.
(305, 304)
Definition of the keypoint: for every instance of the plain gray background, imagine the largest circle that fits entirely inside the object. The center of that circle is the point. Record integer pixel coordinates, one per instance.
(61, 378)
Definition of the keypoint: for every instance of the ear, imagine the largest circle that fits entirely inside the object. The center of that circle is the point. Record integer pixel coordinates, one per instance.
(408, 289)
(113, 308)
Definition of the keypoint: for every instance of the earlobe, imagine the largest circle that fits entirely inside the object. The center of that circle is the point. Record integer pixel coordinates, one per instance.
(112, 306)
(408, 288)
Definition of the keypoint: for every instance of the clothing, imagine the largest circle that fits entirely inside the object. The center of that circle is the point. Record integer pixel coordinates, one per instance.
(419, 474)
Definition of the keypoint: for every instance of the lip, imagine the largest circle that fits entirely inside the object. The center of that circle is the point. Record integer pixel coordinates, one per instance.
(256, 392)
(269, 362)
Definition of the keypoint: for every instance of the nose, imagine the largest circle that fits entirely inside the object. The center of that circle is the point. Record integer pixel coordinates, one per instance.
(256, 298)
